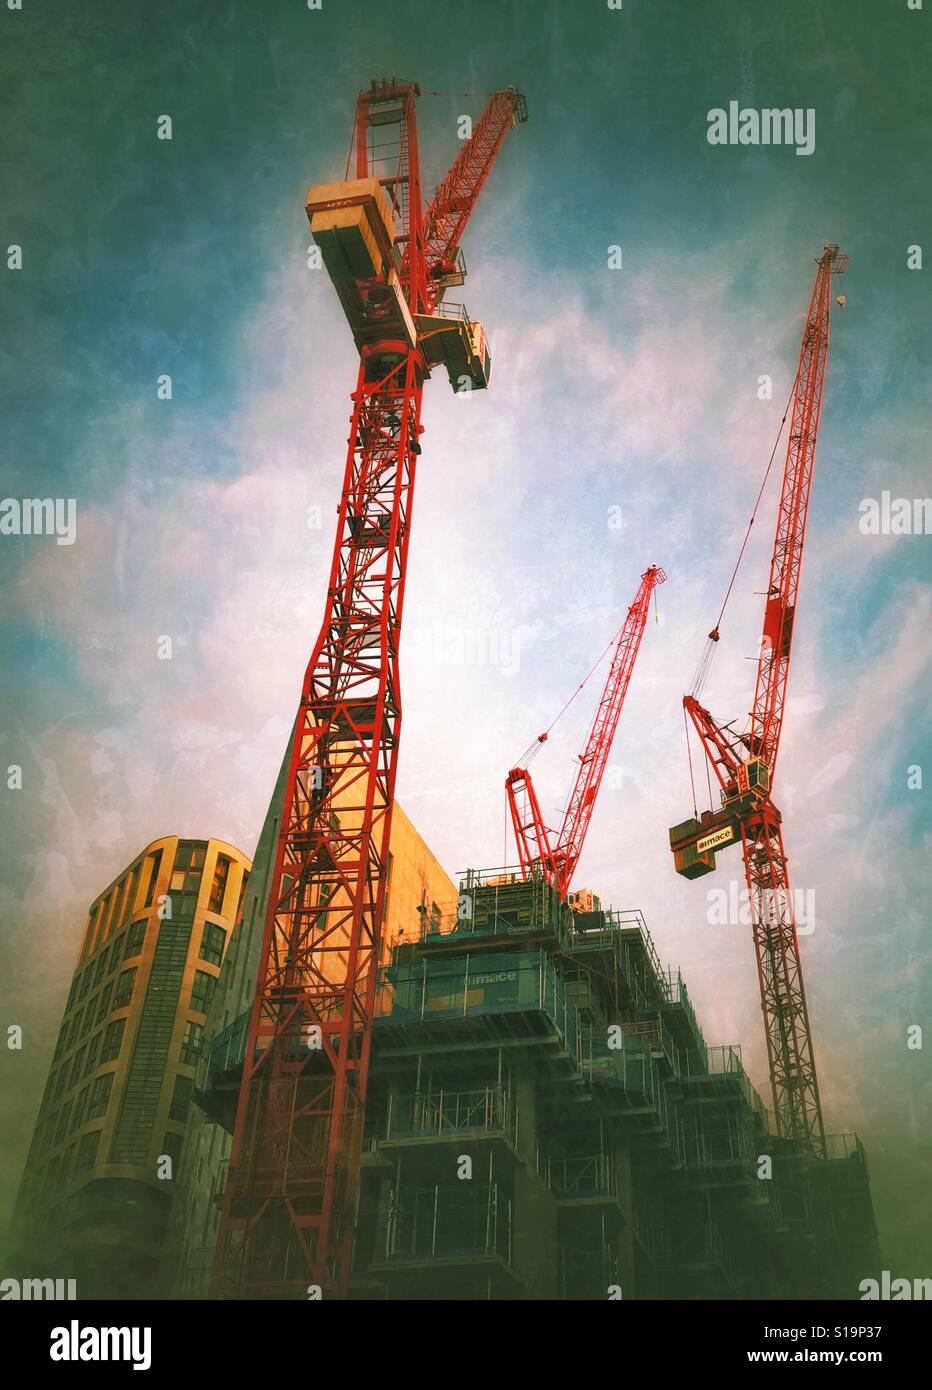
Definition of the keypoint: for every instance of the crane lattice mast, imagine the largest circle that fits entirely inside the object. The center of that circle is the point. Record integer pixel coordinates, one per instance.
(289, 1204)
(744, 765)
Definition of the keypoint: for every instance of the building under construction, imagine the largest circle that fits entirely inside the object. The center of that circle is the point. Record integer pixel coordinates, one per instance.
(518, 1102)
(547, 1121)
(493, 1089)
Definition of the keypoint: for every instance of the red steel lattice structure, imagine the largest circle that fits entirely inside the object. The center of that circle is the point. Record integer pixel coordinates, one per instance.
(289, 1204)
(745, 766)
(539, 851)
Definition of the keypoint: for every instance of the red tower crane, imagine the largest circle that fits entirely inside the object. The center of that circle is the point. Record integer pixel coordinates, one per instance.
(744, 764)
(289, 1204)
(539, 850)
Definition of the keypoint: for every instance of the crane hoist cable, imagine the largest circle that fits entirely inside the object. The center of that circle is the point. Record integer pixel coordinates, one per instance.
(531, 752)
(689, 755)
(541, 739)
(705, 660)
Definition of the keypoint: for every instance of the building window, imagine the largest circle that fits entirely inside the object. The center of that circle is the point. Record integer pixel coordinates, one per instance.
(124, 989)
(181, 1098)
(103, 1001)
(100, 1096)
(213, 940)
(77, 1066)
(76, 1025)
(87, 1149)
(133, 891)
(51, 1179)
(202, 991)
(218, 887)
(61, 1125)
(171, 1145)
(95, 918)
(93, 1048)
(67, 1164)
(191, 1042)
(134, 939)
(85, 982)
(155, 860)
(190, 856)
(80, 1107)
(116, 914)
(100, 928)
(183, 904)
(113, 1038)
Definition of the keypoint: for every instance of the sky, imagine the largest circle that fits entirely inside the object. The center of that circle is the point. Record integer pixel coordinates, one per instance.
(624, 427)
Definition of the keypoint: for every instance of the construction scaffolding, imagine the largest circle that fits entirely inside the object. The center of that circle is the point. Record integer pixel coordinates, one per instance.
(546, 1120)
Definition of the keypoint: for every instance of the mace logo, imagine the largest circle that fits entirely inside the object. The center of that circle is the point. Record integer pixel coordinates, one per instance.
(769, 126)
(77, 1343)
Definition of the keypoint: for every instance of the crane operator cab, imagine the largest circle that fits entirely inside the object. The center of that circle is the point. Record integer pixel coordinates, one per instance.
(753, 786)
(450, 338)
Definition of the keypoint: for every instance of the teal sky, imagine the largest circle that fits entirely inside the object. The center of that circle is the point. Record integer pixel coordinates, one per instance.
(634, 389)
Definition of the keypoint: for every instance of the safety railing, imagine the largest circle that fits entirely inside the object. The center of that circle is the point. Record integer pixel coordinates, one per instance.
(478, 984)
(845, 1146)
(725, 1061)
(434, 1222)
(195, 1273)
(592, 1175)
(439, 1113)
(677, 996)
(223, 1053)
(726, 1147)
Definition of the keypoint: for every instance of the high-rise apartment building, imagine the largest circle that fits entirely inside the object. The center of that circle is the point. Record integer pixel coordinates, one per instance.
(102, 1168)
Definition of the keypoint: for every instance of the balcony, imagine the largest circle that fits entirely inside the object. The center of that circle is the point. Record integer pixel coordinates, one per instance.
(681, 1017)
(701, 1252)
(493, 903)
(589, 1179)
(846, 1147)
(194, 1281)
(718, 1154)
(446, 1225)
(724, 1077)
(494, 995)
(440, 1115)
